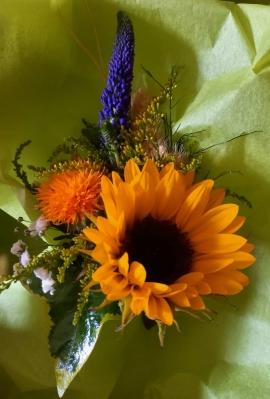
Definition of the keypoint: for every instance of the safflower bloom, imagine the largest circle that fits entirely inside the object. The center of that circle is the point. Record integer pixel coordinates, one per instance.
(166, 242)
(69, 196)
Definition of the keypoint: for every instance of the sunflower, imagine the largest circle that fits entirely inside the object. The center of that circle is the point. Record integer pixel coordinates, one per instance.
(166, 242)
(67, 197)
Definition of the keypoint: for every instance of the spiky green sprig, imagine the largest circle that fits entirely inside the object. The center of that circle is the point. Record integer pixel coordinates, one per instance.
(20, 173)
(240, 198)
(69, 256)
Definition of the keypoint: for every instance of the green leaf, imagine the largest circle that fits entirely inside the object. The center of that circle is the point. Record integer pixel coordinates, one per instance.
(71, 344)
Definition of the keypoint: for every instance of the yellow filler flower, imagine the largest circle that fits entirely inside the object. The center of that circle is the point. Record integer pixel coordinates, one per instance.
(67, 197)
(165, 242)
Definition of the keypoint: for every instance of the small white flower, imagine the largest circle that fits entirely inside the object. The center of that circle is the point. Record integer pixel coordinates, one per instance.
(46, 280)
(18, 248)
(38, 226)
(25, 258)
(47, 285)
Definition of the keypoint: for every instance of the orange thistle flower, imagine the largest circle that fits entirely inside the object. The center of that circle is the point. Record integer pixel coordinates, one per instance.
(69, 196)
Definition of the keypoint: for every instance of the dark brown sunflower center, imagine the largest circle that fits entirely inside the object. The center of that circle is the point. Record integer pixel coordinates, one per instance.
(161, 248)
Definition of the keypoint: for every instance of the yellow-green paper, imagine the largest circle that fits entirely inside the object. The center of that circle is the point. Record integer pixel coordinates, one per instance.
(47, 85)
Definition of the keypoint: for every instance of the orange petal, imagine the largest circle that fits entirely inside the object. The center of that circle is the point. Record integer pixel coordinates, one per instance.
(118, 294)
(210, 266)
(175, 288)
(141, 292)
(158, 288)
(216, 287)
(193, 206)
(123, 264)
(126, 203)
(189, 178)
(241, 278)
(235, 225)
(169, 195)
(106, 227)
(197, 303)
(151, 307)
(164, 312)
(190, 278)
(166, 169)
(248, 247)
(108, 195)
(232, 287)
(100, 254)
(214, 221)
(151, 168)
(137, 305)
(180, 299)
(103, 272)
(116, 179)
(137, 274)
(131, 170)
(121, 230)
(203, 288)
(240, 259)
(220, 243)
(215, 198)
(144, 189)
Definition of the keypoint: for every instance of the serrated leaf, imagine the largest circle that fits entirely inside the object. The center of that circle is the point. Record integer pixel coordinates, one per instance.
(74, 354)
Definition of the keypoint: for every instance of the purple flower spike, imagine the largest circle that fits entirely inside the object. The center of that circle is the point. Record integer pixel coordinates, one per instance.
(117, 96)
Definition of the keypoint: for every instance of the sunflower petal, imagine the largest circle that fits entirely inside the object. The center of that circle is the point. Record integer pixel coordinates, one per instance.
(131, 170)
(166, 169)
(137, 274)
(103, 272)
(197, 303)
(100, 254)
(116, 179)
(180, 299)
(203, 288)
(193, 206)
(138, 304)
(164, 312)
(144, 189)
(123, 264)
(190, 278)
(214, 221)
(109, 198)
(248, 247)
(215, 198)
(151, 307)
(235, 225)
(118, 294)
(189, 177)
(169, 195)
(158, 288)
(220, 243)
(126, 203)
(151, 168)
(106, 227)
(210, 266)
(232, 287)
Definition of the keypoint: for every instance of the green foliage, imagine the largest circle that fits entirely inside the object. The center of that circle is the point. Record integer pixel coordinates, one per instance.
(20, 173)
(240, 198)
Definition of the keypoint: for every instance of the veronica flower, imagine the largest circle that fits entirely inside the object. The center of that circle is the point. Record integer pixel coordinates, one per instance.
(116, 97)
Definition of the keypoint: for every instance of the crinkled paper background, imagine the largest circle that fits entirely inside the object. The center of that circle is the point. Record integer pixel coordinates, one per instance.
(47, 85)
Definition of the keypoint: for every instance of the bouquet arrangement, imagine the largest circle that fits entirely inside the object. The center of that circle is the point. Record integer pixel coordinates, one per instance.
(132, 230)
